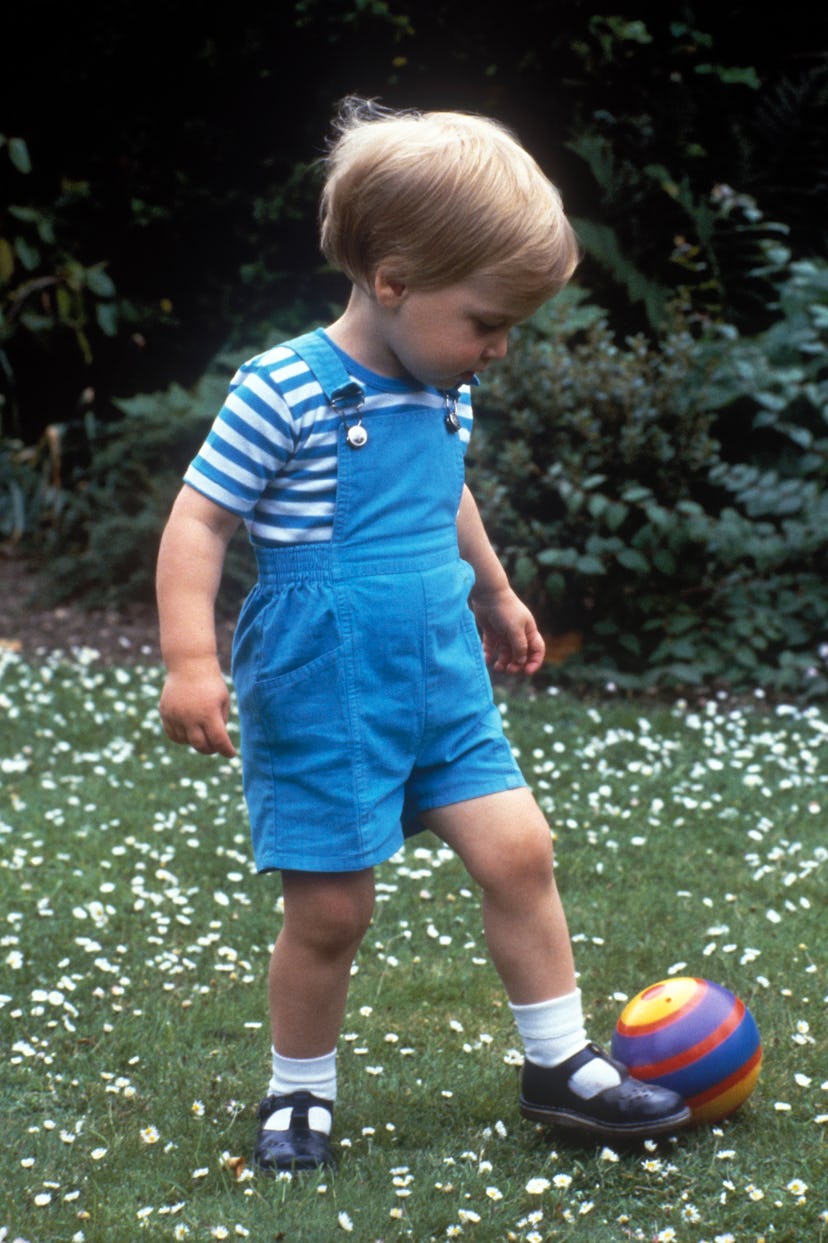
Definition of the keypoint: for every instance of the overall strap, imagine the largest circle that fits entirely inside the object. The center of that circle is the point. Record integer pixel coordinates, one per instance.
(328, 369)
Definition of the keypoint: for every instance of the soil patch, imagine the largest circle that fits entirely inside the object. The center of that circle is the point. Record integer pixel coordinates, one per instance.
(36, 629)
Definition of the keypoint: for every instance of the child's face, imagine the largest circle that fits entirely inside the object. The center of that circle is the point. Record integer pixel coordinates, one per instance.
(442, 337)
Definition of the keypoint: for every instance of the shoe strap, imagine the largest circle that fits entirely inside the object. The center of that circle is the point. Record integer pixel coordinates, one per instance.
(588, 1054)
(300, 1103)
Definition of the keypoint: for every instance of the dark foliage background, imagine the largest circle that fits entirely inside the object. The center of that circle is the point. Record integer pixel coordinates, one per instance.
(157, 221)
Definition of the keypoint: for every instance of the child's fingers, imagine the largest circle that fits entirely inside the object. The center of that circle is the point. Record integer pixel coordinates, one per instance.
(535, 650)
(223, 746)
(211, 738)
(205, 736)
(520, 651)
(194, 712)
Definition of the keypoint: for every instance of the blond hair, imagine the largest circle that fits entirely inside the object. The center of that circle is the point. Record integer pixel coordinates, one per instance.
(438, 197)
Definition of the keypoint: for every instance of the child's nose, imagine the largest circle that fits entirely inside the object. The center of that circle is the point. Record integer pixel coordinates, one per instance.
(497, 346)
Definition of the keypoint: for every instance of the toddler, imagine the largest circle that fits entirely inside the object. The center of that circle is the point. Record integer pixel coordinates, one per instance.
(359, 660)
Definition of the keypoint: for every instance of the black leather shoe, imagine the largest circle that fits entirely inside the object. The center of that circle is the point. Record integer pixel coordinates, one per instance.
(299, 1147)
(633, 1109)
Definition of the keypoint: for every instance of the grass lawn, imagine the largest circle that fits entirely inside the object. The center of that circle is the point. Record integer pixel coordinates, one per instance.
(135, 941)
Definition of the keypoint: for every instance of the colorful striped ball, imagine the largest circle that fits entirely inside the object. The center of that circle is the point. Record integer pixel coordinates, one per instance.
(695, 1037)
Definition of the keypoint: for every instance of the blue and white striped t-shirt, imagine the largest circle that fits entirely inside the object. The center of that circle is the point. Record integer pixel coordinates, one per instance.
(271, 454)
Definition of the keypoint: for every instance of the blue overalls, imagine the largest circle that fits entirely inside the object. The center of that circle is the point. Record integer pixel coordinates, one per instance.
(363, 695)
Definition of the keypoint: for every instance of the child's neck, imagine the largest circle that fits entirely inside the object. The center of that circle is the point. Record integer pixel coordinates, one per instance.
(359, 332)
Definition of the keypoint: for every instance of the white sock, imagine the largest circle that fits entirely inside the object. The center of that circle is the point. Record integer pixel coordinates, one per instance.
(303, 1074)
(554, 1030)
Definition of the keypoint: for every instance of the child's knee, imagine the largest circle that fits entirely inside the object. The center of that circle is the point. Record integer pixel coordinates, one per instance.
(523, 865)
(344, 922)
(328, 914)
(530, 859)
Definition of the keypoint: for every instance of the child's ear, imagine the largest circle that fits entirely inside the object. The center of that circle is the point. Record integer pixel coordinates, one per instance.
(389, 286)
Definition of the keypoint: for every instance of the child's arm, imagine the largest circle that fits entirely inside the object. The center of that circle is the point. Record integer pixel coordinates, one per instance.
(194, 703)
(511, 639)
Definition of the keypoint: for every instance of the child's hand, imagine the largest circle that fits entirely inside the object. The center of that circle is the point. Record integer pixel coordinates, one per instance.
(195, 706)
(512, 642)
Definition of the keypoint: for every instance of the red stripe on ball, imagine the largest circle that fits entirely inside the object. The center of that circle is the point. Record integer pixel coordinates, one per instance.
(720, 1033)
(724, 1085)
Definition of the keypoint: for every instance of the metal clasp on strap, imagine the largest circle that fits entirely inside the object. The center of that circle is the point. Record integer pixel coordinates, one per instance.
(350, 397)
(451, 418)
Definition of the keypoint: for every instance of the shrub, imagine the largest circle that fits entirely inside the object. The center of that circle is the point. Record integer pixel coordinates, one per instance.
(28, 493)
(98, 536)
(667, 502)
(662, 503)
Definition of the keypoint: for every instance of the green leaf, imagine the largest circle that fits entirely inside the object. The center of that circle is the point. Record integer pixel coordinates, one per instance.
(631, 559)
(27, 214)
(65, 305)
(555, 586)
(563, 557)
(692, 674)
(733, 76)
(616, 515)
(524, 570)
(19, 155)
(589, 565)
(602, 242)
(679, 649)
(100, 282)
(635, 492)
(681, 623)
(106, 316)
(28, 255)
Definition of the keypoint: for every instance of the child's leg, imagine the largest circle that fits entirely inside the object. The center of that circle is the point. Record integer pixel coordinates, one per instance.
(325, 918)
(504, 841)
(505, 844)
